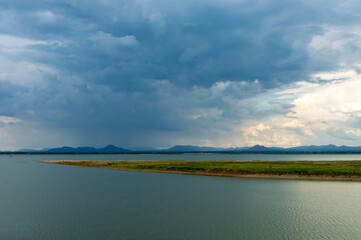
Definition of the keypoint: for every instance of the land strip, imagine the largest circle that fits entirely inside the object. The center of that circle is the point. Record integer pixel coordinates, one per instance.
(317, 170)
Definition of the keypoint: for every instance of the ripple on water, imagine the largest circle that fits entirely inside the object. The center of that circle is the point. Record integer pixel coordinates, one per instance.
(39, 201)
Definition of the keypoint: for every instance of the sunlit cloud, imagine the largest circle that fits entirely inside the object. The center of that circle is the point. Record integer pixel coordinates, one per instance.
(7, 119)
(322, 112)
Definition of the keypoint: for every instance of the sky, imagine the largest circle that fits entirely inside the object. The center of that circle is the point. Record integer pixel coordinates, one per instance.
(157, 73)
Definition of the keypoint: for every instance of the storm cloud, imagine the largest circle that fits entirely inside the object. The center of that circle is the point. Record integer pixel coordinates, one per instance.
(157, 73)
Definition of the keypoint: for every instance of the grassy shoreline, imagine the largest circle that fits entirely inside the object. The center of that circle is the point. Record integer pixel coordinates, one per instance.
(317, 170)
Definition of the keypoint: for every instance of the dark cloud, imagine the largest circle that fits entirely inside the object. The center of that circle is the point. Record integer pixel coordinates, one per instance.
(155, 72)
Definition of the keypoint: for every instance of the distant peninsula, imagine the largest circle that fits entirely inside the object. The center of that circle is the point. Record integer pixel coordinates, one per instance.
(316, 170)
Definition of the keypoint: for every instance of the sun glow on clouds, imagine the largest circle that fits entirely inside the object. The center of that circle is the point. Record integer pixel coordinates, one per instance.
(7, 120)
(327, 110)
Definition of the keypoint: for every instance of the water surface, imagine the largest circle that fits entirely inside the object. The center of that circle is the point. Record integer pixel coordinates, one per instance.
(45, 201)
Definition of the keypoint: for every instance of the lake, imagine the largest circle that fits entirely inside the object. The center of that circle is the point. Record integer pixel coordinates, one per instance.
(41, 201)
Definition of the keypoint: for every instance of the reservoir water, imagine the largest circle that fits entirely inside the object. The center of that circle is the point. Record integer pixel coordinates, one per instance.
(40, 201)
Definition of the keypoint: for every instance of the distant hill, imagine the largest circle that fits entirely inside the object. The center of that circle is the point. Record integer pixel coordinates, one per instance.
(197, 149)
(258, 148)
(71, 150)
(324, 148)
(189, 148)
(107, 149)
(262, 149)
(112, 149)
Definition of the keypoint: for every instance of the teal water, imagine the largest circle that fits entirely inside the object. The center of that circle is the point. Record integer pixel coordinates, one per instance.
(47, 201)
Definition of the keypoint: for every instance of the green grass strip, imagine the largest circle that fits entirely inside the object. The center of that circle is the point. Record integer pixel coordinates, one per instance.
(300, 168)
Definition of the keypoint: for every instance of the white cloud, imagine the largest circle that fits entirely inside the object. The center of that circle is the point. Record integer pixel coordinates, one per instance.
(336, 75)
(8, 41)
(339, 45)
(24, 73)
(269, 134)
(322, 113)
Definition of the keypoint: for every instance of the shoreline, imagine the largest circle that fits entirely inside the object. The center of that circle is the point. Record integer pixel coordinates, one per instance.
(100, 164)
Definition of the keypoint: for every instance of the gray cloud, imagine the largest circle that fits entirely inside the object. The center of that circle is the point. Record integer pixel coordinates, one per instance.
(160, 72)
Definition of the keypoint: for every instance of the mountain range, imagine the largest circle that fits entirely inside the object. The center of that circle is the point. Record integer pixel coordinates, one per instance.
(262, 149)
(65, 149)
(196, 149)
